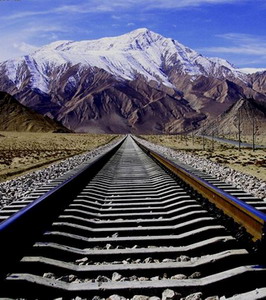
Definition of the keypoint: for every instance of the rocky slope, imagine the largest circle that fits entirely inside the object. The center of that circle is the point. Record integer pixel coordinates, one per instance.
(140, 82)
(16, 117)
(258, 81)
(249, 112)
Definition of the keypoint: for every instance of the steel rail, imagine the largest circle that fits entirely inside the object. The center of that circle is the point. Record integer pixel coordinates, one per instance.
(253, 220)
(19, 230)
(124, 226)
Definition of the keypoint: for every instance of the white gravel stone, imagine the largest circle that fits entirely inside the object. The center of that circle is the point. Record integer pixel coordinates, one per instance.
(170, 295)
(102, 279)
(116, 276)
(184, 258)
(143, 279)
(195, 275)
(155, 278)
(167, 260)
(179, 277)
(20, 188)
(248, 183)
(195, 296)
(82, 260)
(49, 275)
(116, 297)
(140, 297)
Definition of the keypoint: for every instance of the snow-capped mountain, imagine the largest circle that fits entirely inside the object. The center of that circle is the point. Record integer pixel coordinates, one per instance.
(140, 81)
(140, 52)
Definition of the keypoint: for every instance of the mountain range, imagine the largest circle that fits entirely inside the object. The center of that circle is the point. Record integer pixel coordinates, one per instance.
(140, 82)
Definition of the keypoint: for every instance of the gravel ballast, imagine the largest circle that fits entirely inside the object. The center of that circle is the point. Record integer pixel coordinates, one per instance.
(247, 183)
(21, 187)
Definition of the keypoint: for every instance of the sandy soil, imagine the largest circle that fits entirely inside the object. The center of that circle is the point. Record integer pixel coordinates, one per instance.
(23, 152)
(246, 160)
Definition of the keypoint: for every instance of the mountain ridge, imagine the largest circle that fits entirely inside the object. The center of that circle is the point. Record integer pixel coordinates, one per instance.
(246, 111)
(113, 54)
(109, 85)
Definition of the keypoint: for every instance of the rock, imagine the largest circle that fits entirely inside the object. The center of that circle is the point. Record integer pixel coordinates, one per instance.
(155, 278)
(23, 187)
(116, 276)
(102, 279)
(72, 278)
(82, 260)
(195, 275)
(108, 246)
(154, 298)
(67, 278)
(213, 298)
(133, 278)
(126, 261)
(116, 297)
(166, 260)
(96, 298)
(49, 275)
(125, 279)
(194, 259)
(170, 295)
(195, 296)
(248, 183)
(184, 258)
(140, 297)
(147, 260)
(179, 277)
(143, 278)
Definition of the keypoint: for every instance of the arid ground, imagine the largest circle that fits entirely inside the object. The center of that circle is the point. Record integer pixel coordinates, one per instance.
(22, 152)
(246, 160)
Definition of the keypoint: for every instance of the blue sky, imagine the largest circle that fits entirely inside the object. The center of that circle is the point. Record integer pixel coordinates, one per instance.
(231, 29)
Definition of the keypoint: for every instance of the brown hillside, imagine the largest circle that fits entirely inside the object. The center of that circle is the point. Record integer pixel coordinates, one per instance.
(16, 117)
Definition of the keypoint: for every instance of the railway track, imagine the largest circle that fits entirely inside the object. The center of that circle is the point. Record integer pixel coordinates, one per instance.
(128, 224)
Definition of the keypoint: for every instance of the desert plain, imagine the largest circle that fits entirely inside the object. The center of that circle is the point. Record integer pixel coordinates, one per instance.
(23, 152)
(246, 160)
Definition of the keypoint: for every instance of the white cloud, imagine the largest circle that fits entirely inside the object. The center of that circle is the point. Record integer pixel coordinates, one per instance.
(241, 44)
(15, 49)
(25, 14)
(251, 70)
(116, 17)
(45, 28)
(25, 48)
(22, 40)
(131, 24)
(187, 3)
(242, 49)
(96, 6)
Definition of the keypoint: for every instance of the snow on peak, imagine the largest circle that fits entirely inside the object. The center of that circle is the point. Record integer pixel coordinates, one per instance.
(140, 51)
